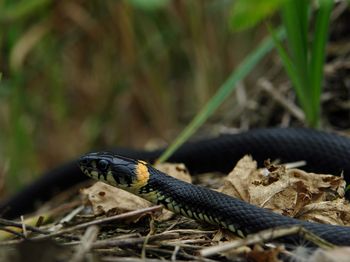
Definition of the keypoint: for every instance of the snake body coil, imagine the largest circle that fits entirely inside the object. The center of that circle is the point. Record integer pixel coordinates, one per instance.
(323, 152)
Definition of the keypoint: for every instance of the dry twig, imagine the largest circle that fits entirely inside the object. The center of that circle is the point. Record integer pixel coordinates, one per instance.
(264, 236)
(86, 243)
(11, 223)
(102, 221)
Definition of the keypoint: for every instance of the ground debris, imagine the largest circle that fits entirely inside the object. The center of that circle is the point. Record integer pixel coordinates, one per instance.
(292, 192)
(135, 232)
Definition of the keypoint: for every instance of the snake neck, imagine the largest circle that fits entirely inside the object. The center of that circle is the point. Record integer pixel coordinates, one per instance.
(184, 198)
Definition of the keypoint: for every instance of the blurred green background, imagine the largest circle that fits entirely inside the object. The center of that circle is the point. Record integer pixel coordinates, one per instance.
(89, 74)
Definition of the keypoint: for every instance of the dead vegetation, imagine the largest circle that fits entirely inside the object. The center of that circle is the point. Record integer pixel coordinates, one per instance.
(108, 224)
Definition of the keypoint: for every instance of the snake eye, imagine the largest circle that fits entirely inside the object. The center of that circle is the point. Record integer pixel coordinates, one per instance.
(103, 165)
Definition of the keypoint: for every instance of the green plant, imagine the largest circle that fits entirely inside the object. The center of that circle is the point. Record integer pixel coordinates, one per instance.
(304, 64)
(305, 57)
(347, 188)
(223, 92)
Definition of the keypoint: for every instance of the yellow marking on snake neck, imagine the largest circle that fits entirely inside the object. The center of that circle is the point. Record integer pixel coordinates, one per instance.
(142, 175)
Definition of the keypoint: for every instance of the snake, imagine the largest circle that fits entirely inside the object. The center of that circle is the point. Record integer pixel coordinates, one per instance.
(131, 170)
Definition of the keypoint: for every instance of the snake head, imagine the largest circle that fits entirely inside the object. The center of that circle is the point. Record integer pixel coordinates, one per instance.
(113, 169)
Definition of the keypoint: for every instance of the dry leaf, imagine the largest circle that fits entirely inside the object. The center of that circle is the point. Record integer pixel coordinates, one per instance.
(296, 193)
(178, 171)
(223, 235)
(238, 181)
(236, 253)
(108, 199)
(336, 212)
(111, 200)
(259, 254)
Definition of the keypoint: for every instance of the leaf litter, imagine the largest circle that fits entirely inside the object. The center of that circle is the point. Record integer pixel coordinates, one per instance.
(292, 192)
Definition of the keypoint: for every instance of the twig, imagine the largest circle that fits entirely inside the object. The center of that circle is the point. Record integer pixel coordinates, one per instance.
(132, 241)
(71, 215)
(24, 230)
(67, 218)
(11, 231)
(173, 255)
(180, 254)
(6, 222)
(191, 231)
(290, 107)
(267, 235)
(172, 225)
(144, 244)
(133, 235)
(86, 243)
(101, 221)
(295, 164)
(186, 243)
(338, 10)
(134, 259)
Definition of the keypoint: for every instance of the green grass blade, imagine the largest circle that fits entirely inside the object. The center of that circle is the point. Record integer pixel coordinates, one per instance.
(248, 13)
(301, 9)
(242, 71)
(347, 188)
(291, 72)
(318, 53)
(294, 15)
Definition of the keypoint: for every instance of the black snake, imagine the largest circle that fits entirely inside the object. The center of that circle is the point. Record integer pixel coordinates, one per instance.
(323, 152)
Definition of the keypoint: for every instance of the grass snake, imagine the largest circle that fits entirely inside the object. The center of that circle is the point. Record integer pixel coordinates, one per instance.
(323, 152)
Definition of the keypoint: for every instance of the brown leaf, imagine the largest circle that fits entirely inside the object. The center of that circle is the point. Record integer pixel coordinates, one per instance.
(315, 197)
(178, 171)
(237, 183)
(258, 254)
(106, 199)
(336, 212)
